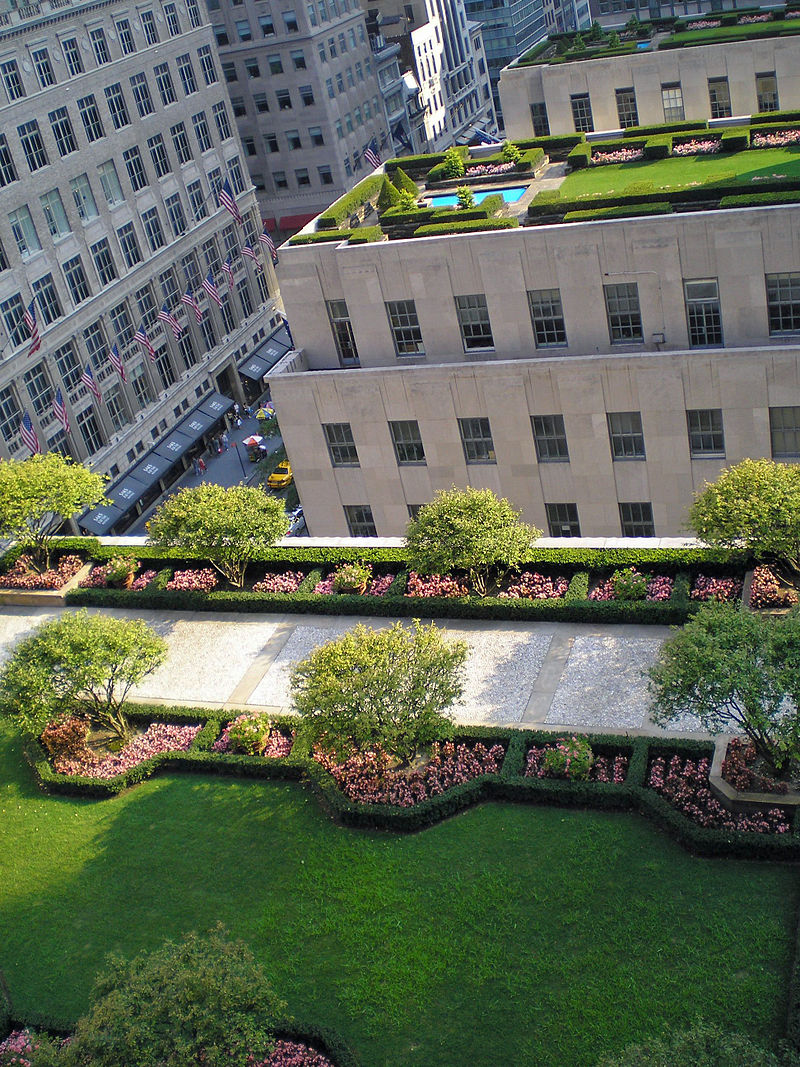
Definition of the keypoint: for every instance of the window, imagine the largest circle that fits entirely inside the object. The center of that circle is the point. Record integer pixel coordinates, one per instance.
(195, 18)
(251, 67)
(624, 316)
(191, 271)
(339, 130)
(547, 317)
(62, 131)
(43, 67)
(55, 216)
(207, 64)
(84, 197)
(90, 431)
(75, 277)
(99, 46)
(32, 145)
(104, 264)
(141, 388)
(47, 299)
(239, 107)
(562, 520)
(95, 341)
(541, 123)
(7, 172)
(767, 91)
(12, 312)
(290, 21)
(186, 74)
(69, 370)
(201, 131)
(171, 15)
(110, 182)
(719, 96)
(473, 319)
(271, 142)
(72, 56)
(293, 139)
(141, 95)
(186, 346)
(302, 176)
(121, 324)
(784, 428)
(180, 143)
(129, 245)
(243, 289)
(705, 433)
(221, 118)
(325, 175)
(283, 96)
(783, 303)
(3, 259)
(169, 286)
(39, 389)
(359, 520)
(115, 407)
(135, 168)
(703, 313)
(24, 231)
(342, 333)
(90, 117)
(215, 184)
(158, 154)
(197, 201)
(221, 37)
(177, 219)
(582, 112)
(235, 174)
(267, 25)
(260, 100)
(625, 434)
(550, 438)
(211, 255)
(298, 59)
(476, 438)
(407, 442)
(145, 304)
(207, 330)
(126, 41)
(164, 83)
(306, 96)
(275, 64)
(405, 327)
(636, 519)
(672, 100)
(341, 446)
(626, 108)
(149, 26)
(117, 106)
(11, 80)
(315, 133)
(280, 180)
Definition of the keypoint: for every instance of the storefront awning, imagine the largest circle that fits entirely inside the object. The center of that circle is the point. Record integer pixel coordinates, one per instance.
(100, 520)
(216, 404)
(173, 446)
(125, 493)
(196, 424)
(151, 469)
(254, 368)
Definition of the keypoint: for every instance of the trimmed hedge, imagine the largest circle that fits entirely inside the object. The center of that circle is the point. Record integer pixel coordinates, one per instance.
(658, 147)
(397, 216)
(761, 199)
(580, 156)
(735, 140)
(444, 228)
(665, 127)
(365, 235)
(774, 116)
(322, 237)
(402, 181)
(413, 164)
(634, 211)
(344, 207)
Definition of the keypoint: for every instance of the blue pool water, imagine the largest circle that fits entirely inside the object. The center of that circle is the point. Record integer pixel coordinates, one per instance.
(642, 45)
(510, 193)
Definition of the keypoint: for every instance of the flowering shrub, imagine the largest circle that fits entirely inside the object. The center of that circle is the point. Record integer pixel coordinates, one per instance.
(202, 581)
(380, 586)
(620, 585)
(144, 579)
(21, 574)
(17, 1049)
(704, 24)
(619, 155)
(425, 585)
(366, 778)
(287, 582)
(256, 736)
(738, 771)
(748, 20)
(66, 737)
(95, 579)
(721, 589)
(293, 1054)
(684, 784)
(698, 147)
(325, 586)
(792, 15)
(533, 586)
(570, 757)
(351, 577)
(767, 592)
(779, 139)
(659, 588)
(484, 169)
(158, 738)
(603, 769)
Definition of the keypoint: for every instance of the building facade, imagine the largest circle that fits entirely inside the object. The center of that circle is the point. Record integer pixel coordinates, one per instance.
(116, 137)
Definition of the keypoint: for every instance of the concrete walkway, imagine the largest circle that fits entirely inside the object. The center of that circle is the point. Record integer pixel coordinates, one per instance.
(547, 675)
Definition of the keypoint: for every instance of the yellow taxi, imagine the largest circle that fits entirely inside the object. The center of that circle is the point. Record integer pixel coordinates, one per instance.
(282, 476)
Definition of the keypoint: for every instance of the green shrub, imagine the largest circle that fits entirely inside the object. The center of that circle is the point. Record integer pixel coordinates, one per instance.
(531, 159)
(452, 214)
(510, 153)
(774, 116)
(453, 163)
(631, 212)
(492, 204)
(365, 235)
(760, 199)
(570, 758)
(580, 156)
(348, 204)
(399, 216)
(406, 201)
(547, 196)
(614, 40)
(351, 577)
(466, 198)
(735, 140)
(468, 226)
(555, 144)
(658, 146)
(251, 735)
(323, 237)
(629, 584)
(578, 588)
(665, 127)
(389, 196)
(403, 182)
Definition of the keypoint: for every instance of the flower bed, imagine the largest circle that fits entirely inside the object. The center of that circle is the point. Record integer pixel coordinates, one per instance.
(375, 586)
(781, 139)
(368, 779)
(533, 586)
(619, 155)
(21, 574)
(604, 768)
(287, 582)
(144, 579)
(157, 739)
(698, 147)
(704, 24)
(658, 588)
(738, 770)
(719, 589)
(767, 592)
(749, 20)
(430, 585)
(263, 738)
(684, 784)
(488, 169)
(202, 581)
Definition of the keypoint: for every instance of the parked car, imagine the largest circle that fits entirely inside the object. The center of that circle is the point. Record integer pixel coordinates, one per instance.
(297, 522)
(282, 476)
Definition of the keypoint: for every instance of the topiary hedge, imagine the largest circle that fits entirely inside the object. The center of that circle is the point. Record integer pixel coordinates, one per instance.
(442, 229)
(658, 146)
(735, 140)
(365, 235)
(580, 156)
(346, 205)
(774, 116)
(622, 212)
(761, 199)
(665, 127)
(323, 237)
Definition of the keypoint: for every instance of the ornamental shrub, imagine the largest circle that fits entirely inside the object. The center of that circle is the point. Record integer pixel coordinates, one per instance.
(510, 153)
(389, 195)
(570, 757)
(466, 198)
(350, 577)
(406, 201)
(453, 164)
(402, 181)
(629, 584)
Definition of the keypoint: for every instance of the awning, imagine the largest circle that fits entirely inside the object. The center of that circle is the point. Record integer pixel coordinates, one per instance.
(295, 222)
(196, 424)
(216, 404)
(125, 493)
(100, 520)
(254, 368)
(173, 446)
(151, 469)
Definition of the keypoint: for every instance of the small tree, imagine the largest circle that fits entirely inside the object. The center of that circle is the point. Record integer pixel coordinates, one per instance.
(389, 195)
(754, 505)
(510, 152)
(578, 45)
(470, 530)
(204, 1000)
(614, 40)
(596, 31)
(38, 494)
(453, 163)
(406, 201)
(736, 671)
(226, 526)
(466, 198)
(78, 664)
(379, 688)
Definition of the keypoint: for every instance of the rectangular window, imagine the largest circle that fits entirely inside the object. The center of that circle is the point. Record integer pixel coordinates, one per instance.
(104, 264)
(126, 236)
(359, 520)
(306, 96)
(140, 385)
(72, 56)
(243, 30)
(221, 36)
(627, 111)
(550, 438)
(47, 299)
(197, 201)
(404, 324)
(562, 520)
(582, 112)
(235, 174)
(90, 116)
(171, 15)
(177, 219)
(84, 197)
(110, 182)
(186, 346)
(541, 123)
(215, 184)
(672, 101)
(169, 286)
(180, 143)
(267, 25)
(407, 442)
(195, 18)
(284, 98)
(784, 428)
(703, 313)
(325, 175)
(767, 91)
(190, 269)
(239, 107)
(476, 438)
(100, 46)
(145, 304)
(62, 131)
(229, 70)
(343, 333)
(302, 176)
(39, 389)
(69, 370)
(290, 21)
(316, 136)
(117, 106)
(158, 154)
(54, 213)
(115, 407)
(90, 431)
(24, 231)
(636, 519)
(201, 131)
(251, 66)
(261, 102)
(121, 324)
(75, 277)
(9, 71)
(95, 340)
(32, 145)
(275, 63)
(43, 67)
(280, 180)
(705, 433)
(625, 434)
(341, 446)
(135, 168)
(719, 97)
(125, 35)
(8, 173)
(141, 95)
(186, 74)
(547, 317)
(473, 320)
(207, 64)
(245, 297)
(13, 312)
(622, 310)
(9, 415)
(164, 84)
(783, 303)
(298, 59)
(149, 26)
(221, 118)
(293, 139)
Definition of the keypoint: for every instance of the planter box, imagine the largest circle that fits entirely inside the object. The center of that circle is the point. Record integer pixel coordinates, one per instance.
(42, 597)
(744, 803)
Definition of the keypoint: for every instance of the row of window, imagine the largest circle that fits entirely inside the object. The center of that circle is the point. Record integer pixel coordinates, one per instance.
(323, 11)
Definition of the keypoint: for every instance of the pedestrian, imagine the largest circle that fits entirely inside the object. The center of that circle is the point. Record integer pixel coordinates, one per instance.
(225, 440)
(201, 466)
(248, 412)
(236, 409)
(196, 466)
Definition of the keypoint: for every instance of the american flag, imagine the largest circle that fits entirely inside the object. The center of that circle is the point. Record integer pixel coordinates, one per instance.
(144, 341)
(189, 300)
(60, 410)
(265, 239)
(248, 251)
(211, 289)
(116, 362)
(227, 201)
(28, 434)
(29, 318)
(88, 380)
(227, 270)
(371, 154)
(165, 315)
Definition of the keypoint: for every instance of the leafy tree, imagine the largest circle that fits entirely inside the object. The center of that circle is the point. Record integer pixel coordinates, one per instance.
(596, 31)
(226, 526)
(754, 505)
(614, 40)
(389, 195)
(78, 664)
(578, 45)
(735, 671)
(38, 494)
(470, 530)
(510, 152)
(385, 688)
(704, 1045)
(204, 1000)
(402, 181)
(466, 198)
(453, 163)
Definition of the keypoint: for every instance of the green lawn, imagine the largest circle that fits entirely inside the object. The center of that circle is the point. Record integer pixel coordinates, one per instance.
(722, 34)
(508, 935)
(684, 172)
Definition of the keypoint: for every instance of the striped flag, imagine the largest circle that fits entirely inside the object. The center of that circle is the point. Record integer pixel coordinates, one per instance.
(165, 315)
(189, 300)
(88, 380)
(227, 201)
(116, 362)
(248, 251)
(29, 436)
(144, 341)
(29, 318)
(60, 410)
(371, 154)
(211, 289)
(265, 239)
(227, 270)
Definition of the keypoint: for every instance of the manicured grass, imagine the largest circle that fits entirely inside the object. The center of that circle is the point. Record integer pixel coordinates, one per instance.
(684, 172)
(508, 935)
(722, 34)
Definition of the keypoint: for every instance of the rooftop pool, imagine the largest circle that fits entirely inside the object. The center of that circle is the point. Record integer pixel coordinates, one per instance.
(510, 193)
